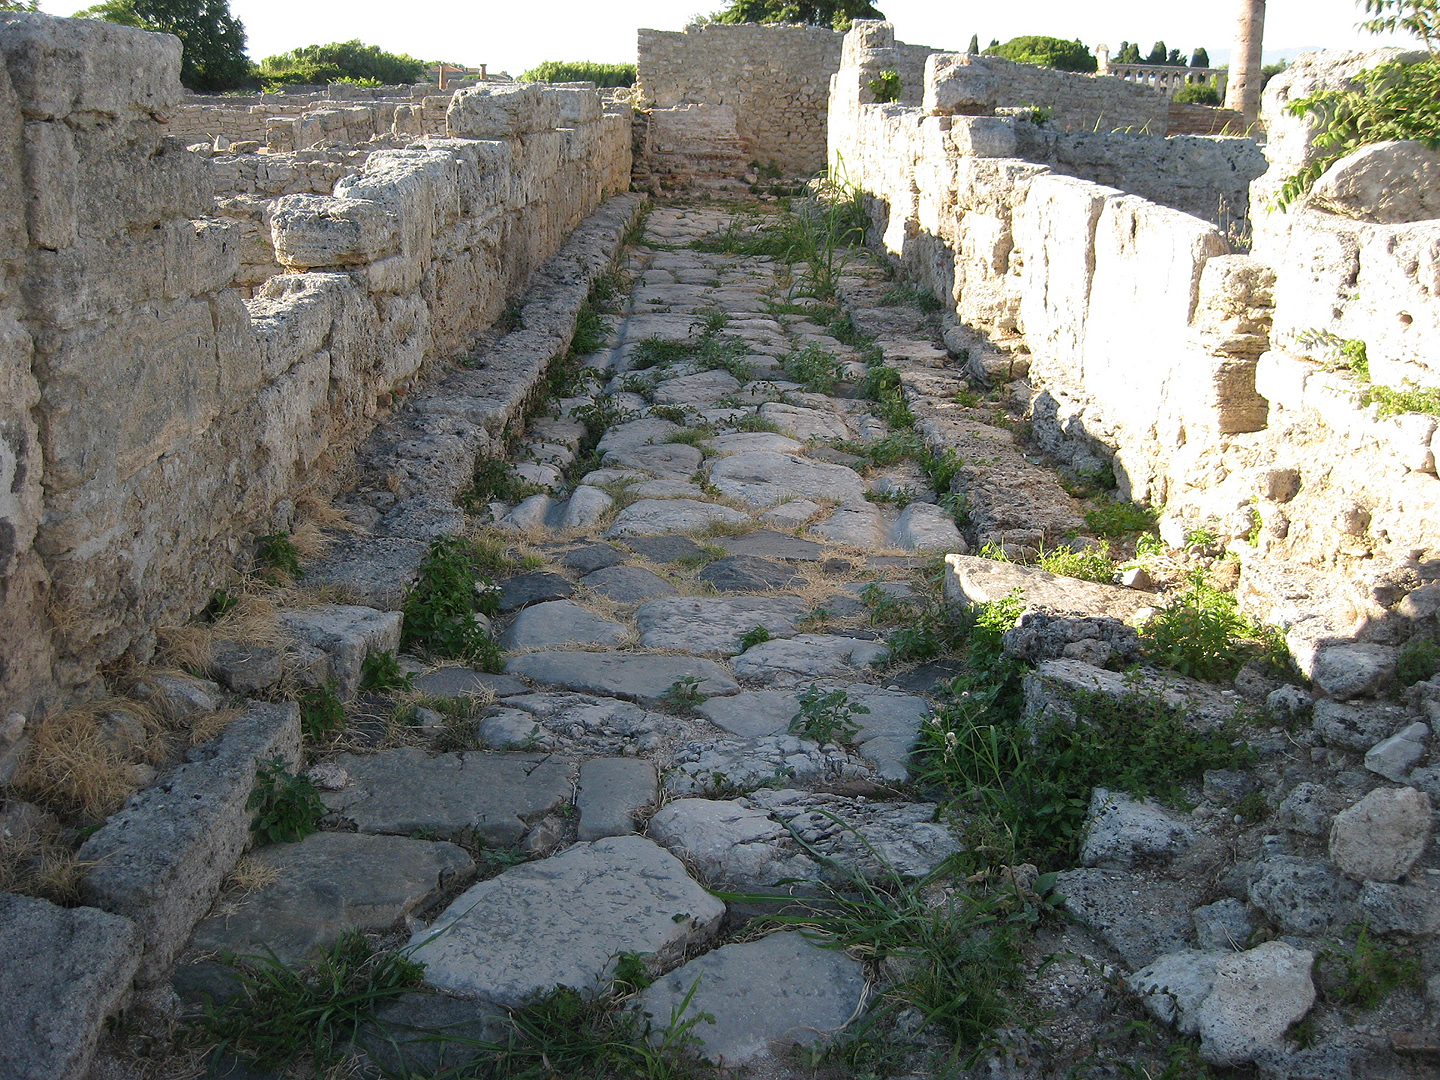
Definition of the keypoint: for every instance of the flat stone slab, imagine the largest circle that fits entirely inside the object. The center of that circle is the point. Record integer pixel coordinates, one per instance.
(669, 461)
(789, 661)
(729, 843)
(589, 558)
(374, 570)
(610, 792)
(762, 478)
(656, 517)
(753, 714)
(631, 676)
(769, 544)
(778, 991)
(698, 624)
(161, 859)
(744, 442)
(748, 573)
(856, 524)
(63, 971)
(537, 588)
(928, 528)
(565, 921)
(628, 584)
(560, 622)
(665, 548)
(645, 432)
(452, 682)
(970, 581)
(805, 423)
(419, 1034)
(495, 797)
(702, 388)
(345, 634)
(329, 883)
(1140, 917)
(703, 766)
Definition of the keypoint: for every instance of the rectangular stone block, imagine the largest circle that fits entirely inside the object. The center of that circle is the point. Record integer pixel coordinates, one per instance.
(319, 230)
(958, 84)
(52, 168)
(64, 66)
(501, 112)
(576, 105)
(161, 859)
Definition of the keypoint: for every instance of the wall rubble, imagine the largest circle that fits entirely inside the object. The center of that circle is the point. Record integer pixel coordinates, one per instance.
(1149, 344)
(123, 511)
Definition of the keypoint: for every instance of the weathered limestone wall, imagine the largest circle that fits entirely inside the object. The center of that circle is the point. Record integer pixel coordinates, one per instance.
(775, 78)
(1149, 344)
(153, 419)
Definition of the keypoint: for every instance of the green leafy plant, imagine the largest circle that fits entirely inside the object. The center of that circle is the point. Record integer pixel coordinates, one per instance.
(287, 806)
(814, 368)
(381, 671)
(283, 1016)
(756, 635)
(1197, 94)
(1047, 52)
(914, 296)
(827, 717)
(494, 480)
(886, 88)
(1203, 633)
(881, 384)
(321, 711)
(278, 552)
(1418, 660)
(1089, 564)
(602, 75)
(1393, 401)
(1365, 974)
(1115, 519)
(441, 608)
(683, 694)
(221, 604)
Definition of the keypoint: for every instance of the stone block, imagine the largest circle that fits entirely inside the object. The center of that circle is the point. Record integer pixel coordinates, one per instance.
(576, 105)
(956, 83)
(346, 634)
(1379, 837)
(1387, 183)
(62, 973)
(1255, 998)
(64, 66)
(610, 792)
(160, 861)
(501, 112)
(311, 231)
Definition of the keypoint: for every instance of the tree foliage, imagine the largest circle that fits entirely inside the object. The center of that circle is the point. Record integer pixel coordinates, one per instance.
(1047, 52)
(1418, 17)
(17, 5)
(554, 71)
(837, 14)
(213, 39)
(1200, 58)
(341, 60)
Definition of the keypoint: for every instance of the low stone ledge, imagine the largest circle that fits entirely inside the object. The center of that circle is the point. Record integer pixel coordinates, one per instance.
(161, 859)
(62, 972)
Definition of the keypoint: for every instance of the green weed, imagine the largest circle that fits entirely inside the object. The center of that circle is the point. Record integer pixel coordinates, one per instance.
(754, 422)
(493, 480)
(683, 694)
(277, 552)
(1115, 519)
(441, 608)
(1091, 564)
(287, 806)
(321, 711)
(1418, 660)
(756, 635)
(814, 368)
(913, 295)
(1367, 973)
(827, 717)
(1204, 634)
(381, 672)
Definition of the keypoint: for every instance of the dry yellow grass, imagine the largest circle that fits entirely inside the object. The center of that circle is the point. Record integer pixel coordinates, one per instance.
(251, 873)
(252, 621)
(83, 763)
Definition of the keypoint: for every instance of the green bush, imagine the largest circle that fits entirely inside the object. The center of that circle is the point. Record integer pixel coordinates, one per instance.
(440, 610)
(886, 88)
(836, 14)
(1204, 634)
(1418, 660)
(287, 806)
(1197, 94)
(341, 60)
(602, 75)
(212, 40)
(827, 717)
(1047, 52)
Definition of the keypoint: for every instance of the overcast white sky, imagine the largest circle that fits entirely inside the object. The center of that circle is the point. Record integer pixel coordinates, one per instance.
(513, 35)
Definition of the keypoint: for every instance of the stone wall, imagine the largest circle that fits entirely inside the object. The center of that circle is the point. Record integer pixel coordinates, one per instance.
(1148, 344)
(124, 510)
(775, 78)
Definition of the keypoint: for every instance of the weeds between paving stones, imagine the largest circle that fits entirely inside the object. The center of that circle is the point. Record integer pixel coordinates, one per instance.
(683, 695)
(283, 1017)
(381, 671)
(827, 717)
(1204, 634)
(1364, 974)
(287, 806)
(493, 480)
(450, 591)
(278, 554)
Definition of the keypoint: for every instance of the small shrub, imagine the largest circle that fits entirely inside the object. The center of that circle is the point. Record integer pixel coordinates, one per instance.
(287, 806)
(683, 694)
(827, 717)
(814, 368)
(1091, 564)
(1365, 975)
(756, 635)
(942, 468)
(1197, 94)
(1393, 401)
(381, 672)
(1418, 660)
(1204, 634)
(278, 552)
(1253, 807)
(321, 711)
(440, 610)
(886, 88)
(493, 480)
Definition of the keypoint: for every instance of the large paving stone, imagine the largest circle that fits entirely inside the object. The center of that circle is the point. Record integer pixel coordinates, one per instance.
(636, 433)
(345, 634)
(1300, 895)
(753, 713)
(780, 991)
(769, 544)
(330, 883)
(494, 797)
(745, 442)
(748, 573)
(855, 524)
(728, 843)
(762, 478)
(970, 581)
(628, 584)
(656, 517)
(926, 527)
(1139, 917)
(665, 548)
(565, 921)
(451, 682)
(1255, 998)
(671, 461)
(632, 676)
(537, 588)
(610, 792)
(790, 661)
(805, 423)
(588, 558)
(160, 861)
(698, 390)
(559, 622)
(1382, 835)
(62, 972)
(698, 624)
